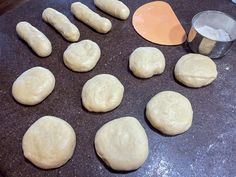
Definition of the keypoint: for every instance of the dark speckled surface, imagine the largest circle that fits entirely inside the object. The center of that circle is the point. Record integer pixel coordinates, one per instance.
(207, 149)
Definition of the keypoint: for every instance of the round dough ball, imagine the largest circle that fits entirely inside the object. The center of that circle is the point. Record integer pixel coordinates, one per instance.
(82, 56)
(170, 112)
(49, 142)
(195, 70)
(33, 86)
(102, 93)
(122, 144)
(145, 62)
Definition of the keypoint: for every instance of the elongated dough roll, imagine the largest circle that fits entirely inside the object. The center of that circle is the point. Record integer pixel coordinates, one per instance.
(39, 43)
(92, 19)
(113, 7)
(62, 24)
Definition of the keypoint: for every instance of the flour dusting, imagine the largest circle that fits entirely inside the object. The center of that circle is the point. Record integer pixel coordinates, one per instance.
(214, 34)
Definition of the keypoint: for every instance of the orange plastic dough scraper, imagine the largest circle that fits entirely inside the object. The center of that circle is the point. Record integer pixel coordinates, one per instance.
(157, 22)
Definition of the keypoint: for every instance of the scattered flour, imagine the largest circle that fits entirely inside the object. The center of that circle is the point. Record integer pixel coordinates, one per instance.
(214, 34)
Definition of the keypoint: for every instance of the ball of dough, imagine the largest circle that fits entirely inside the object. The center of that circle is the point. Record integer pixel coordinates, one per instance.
(49, 142)
(170, 112)
(195, 70)
(82, 56)
(33, 86)
(145, 62)
(102, 93)
(122, 144)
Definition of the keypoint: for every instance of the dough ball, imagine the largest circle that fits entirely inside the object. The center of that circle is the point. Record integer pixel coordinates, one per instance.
(195, 70)
(122, 144)
(33, 86)
(82, 56)
(49, 142)
(170, 112)
(102, 93)
(145, 62)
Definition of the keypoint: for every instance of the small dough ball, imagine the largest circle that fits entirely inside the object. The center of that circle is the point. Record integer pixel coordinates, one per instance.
(102, 93)
(122, 144)
(170, 112)
(49, 142)
(82, 56)
(145, 62)
(195, 70)
(33, 86)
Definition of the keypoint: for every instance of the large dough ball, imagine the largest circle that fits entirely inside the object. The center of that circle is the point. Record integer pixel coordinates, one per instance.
(33, 86)
(145, 62)
(195, 70)
(170, 112)
(82, 56)
(102, 93)
(49, 142)
(122, 144)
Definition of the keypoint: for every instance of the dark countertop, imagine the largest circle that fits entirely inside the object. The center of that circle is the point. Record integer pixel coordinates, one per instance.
(207, 149)
(6, 5)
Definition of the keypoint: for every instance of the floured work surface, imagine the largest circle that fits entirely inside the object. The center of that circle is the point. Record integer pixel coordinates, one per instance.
(207, 149)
